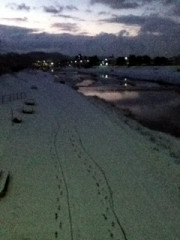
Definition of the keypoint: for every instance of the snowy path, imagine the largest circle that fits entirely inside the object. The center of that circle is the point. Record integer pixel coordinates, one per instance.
(77, 175)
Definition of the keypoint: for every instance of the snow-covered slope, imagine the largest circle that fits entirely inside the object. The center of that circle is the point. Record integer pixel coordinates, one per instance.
(78, 172)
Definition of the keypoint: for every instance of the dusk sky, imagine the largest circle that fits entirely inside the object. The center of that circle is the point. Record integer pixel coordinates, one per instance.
(89, 27)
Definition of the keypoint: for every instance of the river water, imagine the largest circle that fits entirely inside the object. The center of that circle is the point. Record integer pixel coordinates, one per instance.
(154, 105)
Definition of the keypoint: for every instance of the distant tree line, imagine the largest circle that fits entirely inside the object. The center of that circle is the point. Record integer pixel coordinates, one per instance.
(133, 60)
(14, 62)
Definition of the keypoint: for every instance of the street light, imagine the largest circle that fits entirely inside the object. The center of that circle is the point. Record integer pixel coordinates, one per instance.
(127, 62)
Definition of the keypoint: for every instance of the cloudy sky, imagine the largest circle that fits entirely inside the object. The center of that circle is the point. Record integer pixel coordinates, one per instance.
(102, 27)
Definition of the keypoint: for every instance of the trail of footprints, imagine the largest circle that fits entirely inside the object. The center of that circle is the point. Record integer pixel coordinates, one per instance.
(103, 194)
(59, 198)
(60, 195)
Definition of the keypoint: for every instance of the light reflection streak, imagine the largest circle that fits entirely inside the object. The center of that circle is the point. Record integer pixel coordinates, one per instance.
(109, 96)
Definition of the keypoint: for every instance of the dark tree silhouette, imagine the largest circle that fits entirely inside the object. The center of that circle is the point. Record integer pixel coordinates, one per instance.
(160, 61)
(94, 60)
(121, 61)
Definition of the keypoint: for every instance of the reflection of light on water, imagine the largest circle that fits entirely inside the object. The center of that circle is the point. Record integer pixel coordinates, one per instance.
(85, 83)
(145, 106)
(105, 76)
(109, 95)
(125, 82)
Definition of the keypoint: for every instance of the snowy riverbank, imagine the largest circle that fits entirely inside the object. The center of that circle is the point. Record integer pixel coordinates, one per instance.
(81, 171)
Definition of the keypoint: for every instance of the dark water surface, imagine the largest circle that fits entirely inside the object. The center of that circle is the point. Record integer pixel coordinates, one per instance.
(155, 105)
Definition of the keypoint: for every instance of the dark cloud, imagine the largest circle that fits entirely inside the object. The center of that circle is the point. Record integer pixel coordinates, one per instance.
(12, 37)
(23, 6)
(118, 4)
(172, 7)
(71, 8)
(56, 9)
(67, 27)
(24, 40)
(148, 24)
(169, 2)
(20, 7)
(83, 33)
(124, 33)
(176, 10)
(128, 19)
(103, 13)
(53, 9)
(88, 11)
(24, 19)
(163, 26)
(132, 4)
(70, 17)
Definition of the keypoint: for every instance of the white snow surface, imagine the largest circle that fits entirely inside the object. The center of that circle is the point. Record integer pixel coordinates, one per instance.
(78, 172)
